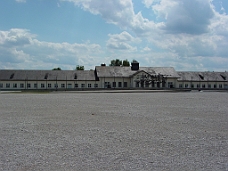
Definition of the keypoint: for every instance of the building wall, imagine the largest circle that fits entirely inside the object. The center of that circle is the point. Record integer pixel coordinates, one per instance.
(202, 84)
(43, 85)
(109, 82)
(114, 82)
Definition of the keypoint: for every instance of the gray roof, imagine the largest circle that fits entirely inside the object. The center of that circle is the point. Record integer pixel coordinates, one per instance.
(202, 76)
(119, 71)
(47, 75)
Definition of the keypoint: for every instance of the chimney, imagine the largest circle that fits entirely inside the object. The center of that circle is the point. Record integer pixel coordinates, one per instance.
(134, 66)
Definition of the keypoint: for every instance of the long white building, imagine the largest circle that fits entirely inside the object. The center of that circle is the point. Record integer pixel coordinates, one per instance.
(114, 77)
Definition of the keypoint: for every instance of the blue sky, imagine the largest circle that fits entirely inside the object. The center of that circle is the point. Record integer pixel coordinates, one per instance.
(189, 35)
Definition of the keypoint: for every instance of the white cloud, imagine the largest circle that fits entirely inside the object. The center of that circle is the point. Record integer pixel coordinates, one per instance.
(124, 37)
(188, 34)
(148, 3)
(122, 41)
(118, 12)
(21, 1)
(189, 16)
(20, 47)
(146, 49)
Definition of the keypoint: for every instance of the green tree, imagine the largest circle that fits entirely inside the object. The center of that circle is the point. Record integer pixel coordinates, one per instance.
(126, 62)
(56, 69)
(116, 62)
(134, 61)
(80, 67)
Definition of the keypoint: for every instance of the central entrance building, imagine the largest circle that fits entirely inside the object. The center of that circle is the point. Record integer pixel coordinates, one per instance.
(136, 77)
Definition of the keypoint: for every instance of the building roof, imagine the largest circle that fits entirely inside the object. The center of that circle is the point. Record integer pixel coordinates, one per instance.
(202, 76)
(119, 71)
(47, 75)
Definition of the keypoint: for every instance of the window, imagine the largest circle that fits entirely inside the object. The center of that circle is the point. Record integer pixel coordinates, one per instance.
(180, 85)
(125, 84)
(119, 84)
(209, 85)
(42, 85)
(7, 85)
(107, 85)
(113, 84)
(215, 86)
(49, 85)
(28, 85)
(15, 85)
(21, 85)
(89, 85)
(35, 85)
(82, 85)
(137, 84)
(147, 84)
(192, 85)
(198, 85)
(220, 85)
(1, 85)
(76, 85)
(95, 85)
(186, 85)
(62, 85)
(170, 84)
(56, 85)
(69, 85)
(203, 86)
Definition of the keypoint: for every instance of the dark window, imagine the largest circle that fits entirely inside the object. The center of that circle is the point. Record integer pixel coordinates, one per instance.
(137, 84)
(113, 84)
(119, 84)
(21, 85)
(11, 76)
(15, 85)
(46, 76)
(201, 76)
(125, 84)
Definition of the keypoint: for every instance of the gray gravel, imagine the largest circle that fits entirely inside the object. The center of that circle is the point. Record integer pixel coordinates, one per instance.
(114, 131)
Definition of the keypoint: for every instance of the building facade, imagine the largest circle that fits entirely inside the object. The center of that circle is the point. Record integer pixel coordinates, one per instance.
(114, 77)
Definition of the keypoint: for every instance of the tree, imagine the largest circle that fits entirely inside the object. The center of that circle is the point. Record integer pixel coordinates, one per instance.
(116, 62)
(79, 67)
(126, 62)
(134, 61)
(56, 69)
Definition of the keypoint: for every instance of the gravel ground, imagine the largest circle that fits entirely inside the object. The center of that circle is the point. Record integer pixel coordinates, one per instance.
(114, 131)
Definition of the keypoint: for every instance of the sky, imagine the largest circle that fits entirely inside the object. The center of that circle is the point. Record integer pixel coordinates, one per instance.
(189, 35)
